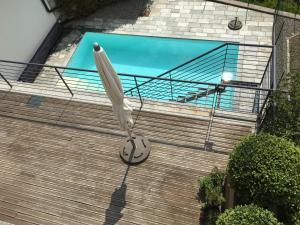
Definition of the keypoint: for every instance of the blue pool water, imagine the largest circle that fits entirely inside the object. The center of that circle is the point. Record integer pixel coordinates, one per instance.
(147, 56)
(139, 55)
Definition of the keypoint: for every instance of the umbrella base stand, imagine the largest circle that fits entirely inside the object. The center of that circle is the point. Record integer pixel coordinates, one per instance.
(135, 149)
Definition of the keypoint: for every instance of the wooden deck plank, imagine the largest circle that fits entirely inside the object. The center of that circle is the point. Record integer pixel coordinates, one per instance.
(59, 175)
(12, 219)
(68, 206)
(181, 130)
(85, 196)
(88, 185)
(59, 167)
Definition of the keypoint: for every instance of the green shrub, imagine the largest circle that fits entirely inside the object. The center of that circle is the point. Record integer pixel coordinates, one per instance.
(210, 193)
(210, 188)
(285, 5)
(210, 216)
(287, 114)
(80, 8)
(265, 170)
(247, 215)
(295, 218)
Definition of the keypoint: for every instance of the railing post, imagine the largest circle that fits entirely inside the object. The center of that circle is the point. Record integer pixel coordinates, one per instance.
(63, 81)
(255, 108)
(248, 3)
(224, 61)
(138, 90)
(218, 99)
(208, 145)
(264, 106)
(141, 100)
(258, 123)
(171, 86)
(5, 80)
(273, 70)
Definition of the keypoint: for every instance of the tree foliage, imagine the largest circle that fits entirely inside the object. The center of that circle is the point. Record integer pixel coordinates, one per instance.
(210, 193)
(210, 188)
(283, 5)
(81, 8)
(283, 113)
(265, 170)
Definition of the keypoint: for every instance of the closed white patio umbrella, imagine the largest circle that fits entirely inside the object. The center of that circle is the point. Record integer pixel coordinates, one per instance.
(136, 148)
(113, 88)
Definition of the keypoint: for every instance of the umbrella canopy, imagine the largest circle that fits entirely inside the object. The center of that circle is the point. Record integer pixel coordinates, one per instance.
(113, 87)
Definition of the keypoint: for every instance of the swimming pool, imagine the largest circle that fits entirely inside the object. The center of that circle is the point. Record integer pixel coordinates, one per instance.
(146, 56)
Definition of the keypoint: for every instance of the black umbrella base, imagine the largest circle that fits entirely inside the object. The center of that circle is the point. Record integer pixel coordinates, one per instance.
(135, 149)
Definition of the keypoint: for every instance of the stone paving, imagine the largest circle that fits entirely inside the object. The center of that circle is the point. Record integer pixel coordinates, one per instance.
(189, 19)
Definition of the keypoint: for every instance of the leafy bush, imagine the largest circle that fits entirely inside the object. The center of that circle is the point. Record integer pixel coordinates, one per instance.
(287, 114)
(246, 215)
(264, 170)
(285, 5)
(80, 8)
(295, 218)
(210, 188)
(210, 193)
(210, 216)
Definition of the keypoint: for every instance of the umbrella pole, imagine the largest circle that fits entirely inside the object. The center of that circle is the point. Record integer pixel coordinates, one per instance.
(129, 134)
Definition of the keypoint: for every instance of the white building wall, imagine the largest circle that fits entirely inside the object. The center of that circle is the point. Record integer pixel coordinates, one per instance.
(23, 26)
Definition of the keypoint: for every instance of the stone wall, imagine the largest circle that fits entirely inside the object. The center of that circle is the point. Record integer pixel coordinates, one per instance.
(290, 28)
(294, 44)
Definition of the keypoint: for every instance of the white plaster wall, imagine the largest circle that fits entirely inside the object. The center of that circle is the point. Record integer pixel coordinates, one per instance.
(23, 26)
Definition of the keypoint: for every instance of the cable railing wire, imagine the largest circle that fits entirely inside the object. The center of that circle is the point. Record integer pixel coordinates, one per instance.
(160, 91)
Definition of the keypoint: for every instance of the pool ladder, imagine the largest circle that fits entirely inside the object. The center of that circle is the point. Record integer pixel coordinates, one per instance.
(203, 92)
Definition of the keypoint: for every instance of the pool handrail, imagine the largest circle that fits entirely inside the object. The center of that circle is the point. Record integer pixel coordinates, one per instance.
(181, 65)
(198, 57)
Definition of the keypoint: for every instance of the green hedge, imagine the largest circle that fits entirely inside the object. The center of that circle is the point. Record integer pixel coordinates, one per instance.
(247, 215)
(285, 5)
(81, 8)
(210, 188)
(210, 193)
(265, 170)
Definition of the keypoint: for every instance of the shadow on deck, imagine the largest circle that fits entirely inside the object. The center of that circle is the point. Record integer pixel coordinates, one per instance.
(53, 172)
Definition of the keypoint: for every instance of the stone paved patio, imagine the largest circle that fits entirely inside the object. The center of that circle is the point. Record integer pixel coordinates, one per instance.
(195, 19)
(188, 19)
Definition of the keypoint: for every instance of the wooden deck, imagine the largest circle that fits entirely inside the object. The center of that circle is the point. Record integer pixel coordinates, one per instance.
(60, 164)
(57, 175)
(180, 129)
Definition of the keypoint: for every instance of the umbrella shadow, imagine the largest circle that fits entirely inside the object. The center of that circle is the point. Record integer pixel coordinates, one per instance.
(117, 203)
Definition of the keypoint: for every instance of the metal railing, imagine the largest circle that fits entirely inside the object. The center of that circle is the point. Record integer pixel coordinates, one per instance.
(182, 66)
(237, 100)
(243, 62)
(262, 102)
